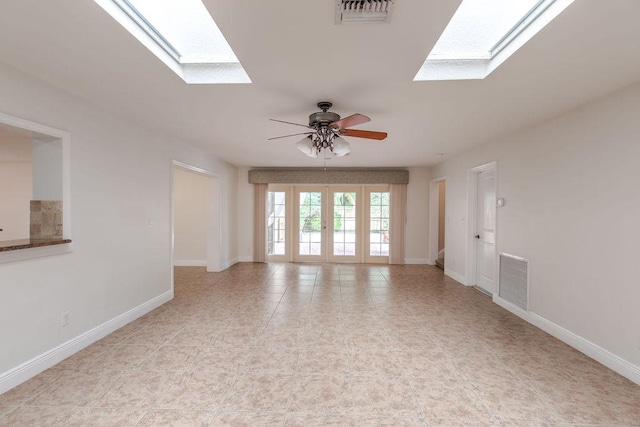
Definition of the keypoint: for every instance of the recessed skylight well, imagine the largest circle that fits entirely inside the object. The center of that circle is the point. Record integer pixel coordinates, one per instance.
(183, 35)
(482, 34)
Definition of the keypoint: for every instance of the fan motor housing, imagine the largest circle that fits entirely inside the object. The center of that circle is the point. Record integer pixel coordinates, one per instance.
(322, 118)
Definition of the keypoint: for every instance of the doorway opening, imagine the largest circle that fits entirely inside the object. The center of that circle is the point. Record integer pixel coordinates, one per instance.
(437, 222)
(195, 217)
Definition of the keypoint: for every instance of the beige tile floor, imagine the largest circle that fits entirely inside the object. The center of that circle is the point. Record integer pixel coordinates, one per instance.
(305, 345)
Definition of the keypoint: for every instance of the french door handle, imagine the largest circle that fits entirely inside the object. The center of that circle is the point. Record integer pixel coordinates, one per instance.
(477, 236)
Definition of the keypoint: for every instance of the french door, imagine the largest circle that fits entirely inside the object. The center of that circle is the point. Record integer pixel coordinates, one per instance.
(328, 223)
(310, 224)
(377, 224)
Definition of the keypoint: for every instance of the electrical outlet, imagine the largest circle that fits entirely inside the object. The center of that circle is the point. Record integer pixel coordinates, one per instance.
(66, 318)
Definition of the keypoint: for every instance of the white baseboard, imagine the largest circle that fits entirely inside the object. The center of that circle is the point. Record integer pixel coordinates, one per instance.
(190, 263)
(228, 263)
(455, 276)
(416, 261)
(594, 351)
(33, 367)
(245, 259)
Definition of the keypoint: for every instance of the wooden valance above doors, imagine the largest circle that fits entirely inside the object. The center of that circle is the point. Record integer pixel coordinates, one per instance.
(328, 176)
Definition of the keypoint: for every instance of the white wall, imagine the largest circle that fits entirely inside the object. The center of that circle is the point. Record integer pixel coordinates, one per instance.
(416, 229)
(416, 246)
(190, 217)
(120, 179)
(572, 195)
(15, 186)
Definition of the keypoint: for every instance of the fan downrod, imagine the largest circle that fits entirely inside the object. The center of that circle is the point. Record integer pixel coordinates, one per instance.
(324, 106)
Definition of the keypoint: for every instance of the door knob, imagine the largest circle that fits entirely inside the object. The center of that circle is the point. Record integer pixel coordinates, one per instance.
(477, 236)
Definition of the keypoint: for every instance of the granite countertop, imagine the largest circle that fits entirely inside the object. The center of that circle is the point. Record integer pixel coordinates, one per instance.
(13, 245)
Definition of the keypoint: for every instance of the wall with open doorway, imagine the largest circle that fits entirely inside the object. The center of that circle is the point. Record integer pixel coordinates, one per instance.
(571, 208)
(120, 265)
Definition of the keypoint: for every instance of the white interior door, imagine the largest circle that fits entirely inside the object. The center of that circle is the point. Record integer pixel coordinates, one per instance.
(485, 237)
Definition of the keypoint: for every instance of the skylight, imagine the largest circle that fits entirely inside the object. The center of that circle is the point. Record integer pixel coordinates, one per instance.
(183, 35)
(483, 33)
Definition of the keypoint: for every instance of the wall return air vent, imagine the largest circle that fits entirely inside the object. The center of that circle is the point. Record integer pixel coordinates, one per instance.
(514, 280)
(363, 11)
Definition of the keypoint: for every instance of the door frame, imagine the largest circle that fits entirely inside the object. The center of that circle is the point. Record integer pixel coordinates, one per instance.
(434, 221)
(289, 219)
(213, 228)
(472, 217)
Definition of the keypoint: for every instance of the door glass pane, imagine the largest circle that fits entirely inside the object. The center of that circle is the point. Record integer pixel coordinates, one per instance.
(276, 222)
(310, 223)
(379, 224)
(344, 223)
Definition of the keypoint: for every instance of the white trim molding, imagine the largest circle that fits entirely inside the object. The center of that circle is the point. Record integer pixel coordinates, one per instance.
(594, 351)
(455, 276)
(229, 263)
(40, 363)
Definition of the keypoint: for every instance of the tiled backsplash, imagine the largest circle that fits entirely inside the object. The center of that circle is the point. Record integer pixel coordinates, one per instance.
(46, 219)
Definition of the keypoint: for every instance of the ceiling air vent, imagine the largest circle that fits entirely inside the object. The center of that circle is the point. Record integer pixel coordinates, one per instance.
(363, 11)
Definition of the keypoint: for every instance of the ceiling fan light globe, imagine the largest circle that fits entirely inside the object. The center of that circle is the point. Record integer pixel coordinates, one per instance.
(306, 146)
(341, 147)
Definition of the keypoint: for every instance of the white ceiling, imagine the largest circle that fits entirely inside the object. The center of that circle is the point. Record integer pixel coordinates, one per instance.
(296, 56)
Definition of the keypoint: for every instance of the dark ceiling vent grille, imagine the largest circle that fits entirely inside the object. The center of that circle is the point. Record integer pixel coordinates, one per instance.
(363, 11)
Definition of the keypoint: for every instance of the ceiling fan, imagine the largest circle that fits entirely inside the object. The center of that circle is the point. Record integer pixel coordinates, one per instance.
(327, 129)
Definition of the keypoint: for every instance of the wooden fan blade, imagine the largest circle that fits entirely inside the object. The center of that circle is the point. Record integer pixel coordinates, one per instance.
(290, 123)
(293, 134)
(364, 134)
(352, 120)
